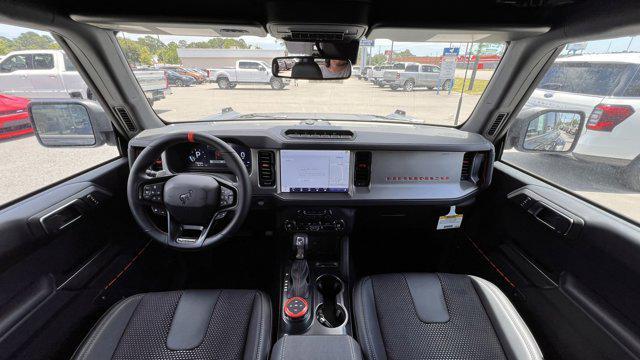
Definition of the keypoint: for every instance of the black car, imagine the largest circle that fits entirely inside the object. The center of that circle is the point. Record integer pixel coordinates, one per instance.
(176, 79)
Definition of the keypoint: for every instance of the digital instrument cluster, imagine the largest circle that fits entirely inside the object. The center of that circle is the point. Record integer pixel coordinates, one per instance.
(189, 156)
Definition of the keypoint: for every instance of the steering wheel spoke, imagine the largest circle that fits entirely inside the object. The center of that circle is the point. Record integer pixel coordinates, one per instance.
(228, 194)
(151, 190)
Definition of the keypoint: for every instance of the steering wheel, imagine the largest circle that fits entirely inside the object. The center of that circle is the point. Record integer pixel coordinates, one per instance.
(193, 202)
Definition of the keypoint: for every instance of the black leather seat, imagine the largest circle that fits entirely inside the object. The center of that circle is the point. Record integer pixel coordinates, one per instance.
(192, 324)
(438, 316)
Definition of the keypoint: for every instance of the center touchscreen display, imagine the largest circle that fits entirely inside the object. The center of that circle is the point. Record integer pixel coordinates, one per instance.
(315, 171)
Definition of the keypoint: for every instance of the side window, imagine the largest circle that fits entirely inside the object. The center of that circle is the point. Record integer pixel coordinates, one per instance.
(411, 68)
(633, 89)
(425, 68)
(27, 166)
(42, 61)
(580, 127)
(248, 65)
(68, 65)
(16, 62)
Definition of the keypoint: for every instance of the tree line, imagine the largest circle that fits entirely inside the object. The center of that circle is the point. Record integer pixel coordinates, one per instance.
(141, 51)
(27, 41)
(146, 49)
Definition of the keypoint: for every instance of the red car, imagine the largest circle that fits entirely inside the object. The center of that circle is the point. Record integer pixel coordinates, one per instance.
(14, 117)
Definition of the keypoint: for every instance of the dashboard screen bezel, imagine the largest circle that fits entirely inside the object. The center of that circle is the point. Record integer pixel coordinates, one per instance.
(349, 169)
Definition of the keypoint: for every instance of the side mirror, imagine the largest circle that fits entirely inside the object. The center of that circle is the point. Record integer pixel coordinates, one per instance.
(261, 68)
(70, 123)
(311, 68)
(547, 131)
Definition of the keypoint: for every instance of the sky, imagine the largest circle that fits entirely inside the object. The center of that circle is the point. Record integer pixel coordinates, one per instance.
(418, 49)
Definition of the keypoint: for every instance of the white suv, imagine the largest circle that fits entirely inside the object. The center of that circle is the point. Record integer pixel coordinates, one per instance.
(606, 87)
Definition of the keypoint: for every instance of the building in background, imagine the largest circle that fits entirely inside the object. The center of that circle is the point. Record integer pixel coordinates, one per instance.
(216, 58)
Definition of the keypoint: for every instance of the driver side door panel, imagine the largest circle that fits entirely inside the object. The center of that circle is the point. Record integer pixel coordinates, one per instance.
(57, 247)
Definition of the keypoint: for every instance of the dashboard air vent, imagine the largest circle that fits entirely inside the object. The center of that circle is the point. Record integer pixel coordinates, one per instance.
(467, 163)
(497, 123)
(319, 134)
(362, 171)
(472, 163)
(123, 114)
(266, 168)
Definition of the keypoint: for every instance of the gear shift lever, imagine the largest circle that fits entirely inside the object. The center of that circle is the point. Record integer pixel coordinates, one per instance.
(300, 268)
(300, 245)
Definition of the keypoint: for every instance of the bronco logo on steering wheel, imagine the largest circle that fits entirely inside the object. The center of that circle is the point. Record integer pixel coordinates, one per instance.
(185, 197)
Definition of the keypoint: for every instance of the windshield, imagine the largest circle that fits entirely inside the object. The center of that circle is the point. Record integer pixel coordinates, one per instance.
(387, 83)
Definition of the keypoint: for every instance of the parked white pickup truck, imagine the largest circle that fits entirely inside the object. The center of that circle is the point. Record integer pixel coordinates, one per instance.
(246, 72)
(414, 76)
(36, 74)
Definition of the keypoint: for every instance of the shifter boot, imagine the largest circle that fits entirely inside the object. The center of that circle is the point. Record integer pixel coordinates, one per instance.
(300, 279)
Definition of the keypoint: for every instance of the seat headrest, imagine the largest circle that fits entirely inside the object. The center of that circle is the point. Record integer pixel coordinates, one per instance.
(306, 70)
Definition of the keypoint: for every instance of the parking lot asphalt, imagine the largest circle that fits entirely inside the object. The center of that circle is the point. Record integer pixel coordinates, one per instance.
(349, 96)
(598, 183)
(26, 166)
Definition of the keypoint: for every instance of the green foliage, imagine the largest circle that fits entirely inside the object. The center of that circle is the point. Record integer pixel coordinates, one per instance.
(153, 44)
(169, 54)
(403, 53)
(27, 41)
(378, 59)
(6, 45)
(220, 43)
(141, 51)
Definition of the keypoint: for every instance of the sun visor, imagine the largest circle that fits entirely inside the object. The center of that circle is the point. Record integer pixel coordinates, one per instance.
(167, 28)
(486, 35)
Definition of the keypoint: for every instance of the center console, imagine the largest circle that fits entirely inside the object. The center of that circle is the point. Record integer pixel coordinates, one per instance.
(315, 276)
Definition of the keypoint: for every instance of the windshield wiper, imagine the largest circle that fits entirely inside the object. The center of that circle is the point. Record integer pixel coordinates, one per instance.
(260, 116)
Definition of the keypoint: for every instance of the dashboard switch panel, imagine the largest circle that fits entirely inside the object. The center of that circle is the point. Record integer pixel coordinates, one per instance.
(316, 220)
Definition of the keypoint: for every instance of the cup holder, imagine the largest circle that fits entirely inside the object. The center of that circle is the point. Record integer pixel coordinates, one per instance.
(329, 312)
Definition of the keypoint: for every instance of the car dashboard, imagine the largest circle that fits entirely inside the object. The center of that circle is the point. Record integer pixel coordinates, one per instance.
(337, 163)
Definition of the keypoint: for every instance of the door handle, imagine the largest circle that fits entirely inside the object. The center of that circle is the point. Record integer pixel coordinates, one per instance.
(551, 218)
(63, 217)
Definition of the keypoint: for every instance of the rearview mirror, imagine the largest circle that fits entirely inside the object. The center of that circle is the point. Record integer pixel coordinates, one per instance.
(311, 68)
(70, 123)
(551, 131)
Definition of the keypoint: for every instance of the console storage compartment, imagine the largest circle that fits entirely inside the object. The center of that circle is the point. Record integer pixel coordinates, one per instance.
(316, 347)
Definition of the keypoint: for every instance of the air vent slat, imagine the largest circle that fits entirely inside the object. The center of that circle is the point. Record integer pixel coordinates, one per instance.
(319, 134)
(266, 168)
(362, 171)
(123, 114)
(467, 165)
(497, 123)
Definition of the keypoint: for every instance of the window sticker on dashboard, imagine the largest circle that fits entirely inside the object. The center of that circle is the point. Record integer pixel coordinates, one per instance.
(450, 221)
